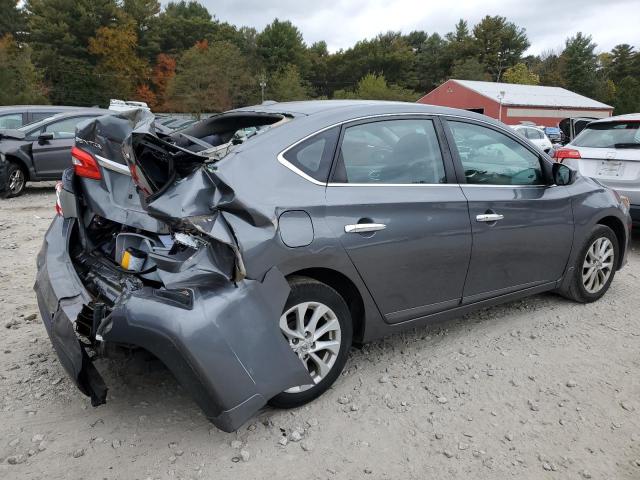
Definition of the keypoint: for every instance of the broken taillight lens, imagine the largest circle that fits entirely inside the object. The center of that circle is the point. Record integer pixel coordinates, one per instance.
(58, 204)
(84, 164)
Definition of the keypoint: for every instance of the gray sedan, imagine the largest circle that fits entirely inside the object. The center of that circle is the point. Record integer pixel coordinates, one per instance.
(251, 250)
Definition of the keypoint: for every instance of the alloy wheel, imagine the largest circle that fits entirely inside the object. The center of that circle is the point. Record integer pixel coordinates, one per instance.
(313, 332)
(16, 181)
(598, 265)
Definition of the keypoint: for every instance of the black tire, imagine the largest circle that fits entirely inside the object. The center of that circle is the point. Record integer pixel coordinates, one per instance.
(304, 289)
(13, 169)
(576, 289)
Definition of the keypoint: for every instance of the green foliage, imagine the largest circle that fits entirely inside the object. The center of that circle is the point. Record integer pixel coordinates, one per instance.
(580, 64)
(21, 82)
(210, 78)
(470, 69)
(59, 36)
(500, 44)
(623, 62)
(388, 54)
(287, 85)
(119, 69)
(12, 20)
(179, 27)
(627, 99)
(520, 73)
(177, 55)
(375, 87)
(550, 69)
(281, 44)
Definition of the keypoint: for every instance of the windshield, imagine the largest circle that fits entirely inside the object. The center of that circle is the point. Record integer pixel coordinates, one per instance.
(610, 135)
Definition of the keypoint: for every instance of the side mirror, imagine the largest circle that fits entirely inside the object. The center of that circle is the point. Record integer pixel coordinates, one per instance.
(45, 137)
(562, 174)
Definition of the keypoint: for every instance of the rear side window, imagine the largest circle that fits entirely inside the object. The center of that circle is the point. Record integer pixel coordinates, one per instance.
(11, 120)
(313, 156)
(390, 152)
(609, 135)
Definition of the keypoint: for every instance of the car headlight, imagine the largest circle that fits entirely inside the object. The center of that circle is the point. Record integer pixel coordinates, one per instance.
(2, 157)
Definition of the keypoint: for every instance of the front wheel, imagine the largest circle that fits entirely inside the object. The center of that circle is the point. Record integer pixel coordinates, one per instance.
(317, 325)
(595, 267)
(16, 180)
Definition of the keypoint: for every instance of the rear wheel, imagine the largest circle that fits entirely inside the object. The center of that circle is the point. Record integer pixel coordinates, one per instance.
(317, 325)
(16, 180)
(595, 267)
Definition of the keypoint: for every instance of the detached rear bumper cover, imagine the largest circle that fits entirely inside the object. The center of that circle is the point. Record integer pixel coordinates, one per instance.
(227, 351)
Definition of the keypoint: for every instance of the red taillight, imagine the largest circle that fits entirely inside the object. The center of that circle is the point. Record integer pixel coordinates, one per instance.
(562, 153)
(58, 204)
(84, 165)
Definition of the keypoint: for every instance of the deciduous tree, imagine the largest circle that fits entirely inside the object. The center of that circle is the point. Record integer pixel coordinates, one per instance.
(520, 73)
(19, 79)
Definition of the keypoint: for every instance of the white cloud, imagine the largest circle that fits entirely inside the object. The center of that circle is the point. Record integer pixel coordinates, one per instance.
(343, 22)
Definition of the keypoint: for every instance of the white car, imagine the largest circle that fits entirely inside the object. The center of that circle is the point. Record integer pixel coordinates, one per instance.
(535, 135)
(609, 151)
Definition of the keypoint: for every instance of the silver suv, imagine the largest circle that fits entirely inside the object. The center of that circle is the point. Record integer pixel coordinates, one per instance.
(609, 151)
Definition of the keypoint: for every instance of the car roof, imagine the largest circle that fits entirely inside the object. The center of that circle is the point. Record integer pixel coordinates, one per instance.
(629, 117)
(39, 108)
(73, 113)
(344, 110)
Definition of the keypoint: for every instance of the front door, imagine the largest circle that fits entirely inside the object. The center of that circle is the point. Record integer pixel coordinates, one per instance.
(52, 157)
(522, 226)
(405, 229)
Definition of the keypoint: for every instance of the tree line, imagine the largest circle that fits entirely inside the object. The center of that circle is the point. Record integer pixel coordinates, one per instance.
(181, 58)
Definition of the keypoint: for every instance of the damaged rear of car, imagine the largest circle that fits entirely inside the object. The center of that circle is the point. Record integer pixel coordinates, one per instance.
(145, 253)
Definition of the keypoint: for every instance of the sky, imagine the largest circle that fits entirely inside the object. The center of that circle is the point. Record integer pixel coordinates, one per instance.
(341, 23)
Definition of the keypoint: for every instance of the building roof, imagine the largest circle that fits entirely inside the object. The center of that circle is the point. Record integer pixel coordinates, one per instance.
(531, 95)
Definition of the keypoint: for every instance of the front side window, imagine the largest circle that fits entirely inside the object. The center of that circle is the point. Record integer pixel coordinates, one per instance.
(313, 156)
(390, 152)
(492, 158)
(64, 128)
(11, 120)
(609, 135)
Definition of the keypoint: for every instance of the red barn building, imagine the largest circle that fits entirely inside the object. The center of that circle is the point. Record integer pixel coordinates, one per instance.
(513, 104)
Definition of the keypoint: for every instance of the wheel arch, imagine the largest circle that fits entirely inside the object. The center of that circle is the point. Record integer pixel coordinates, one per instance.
(346, 288)
(618, 227)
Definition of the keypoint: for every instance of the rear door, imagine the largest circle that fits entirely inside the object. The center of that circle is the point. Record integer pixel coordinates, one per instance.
(52, 157)
(522, 227)
(395, 206)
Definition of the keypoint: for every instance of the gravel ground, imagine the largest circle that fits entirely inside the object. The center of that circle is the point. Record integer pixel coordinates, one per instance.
(535, 389)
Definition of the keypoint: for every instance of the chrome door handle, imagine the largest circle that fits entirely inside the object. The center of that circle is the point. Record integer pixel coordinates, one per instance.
(489, 217)
(364, 227)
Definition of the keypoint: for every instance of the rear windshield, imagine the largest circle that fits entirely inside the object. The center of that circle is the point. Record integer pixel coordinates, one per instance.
(610, 135)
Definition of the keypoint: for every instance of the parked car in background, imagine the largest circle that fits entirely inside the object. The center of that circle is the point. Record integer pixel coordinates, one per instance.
(554, 134)
(248, 251)
(535, 135)
(17, 116)
(609, 151)
(39, 151)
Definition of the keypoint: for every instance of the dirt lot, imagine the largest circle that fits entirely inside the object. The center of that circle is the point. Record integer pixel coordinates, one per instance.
(535, 389)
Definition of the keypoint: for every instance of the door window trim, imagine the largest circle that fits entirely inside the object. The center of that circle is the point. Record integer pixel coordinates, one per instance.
(513, 135)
